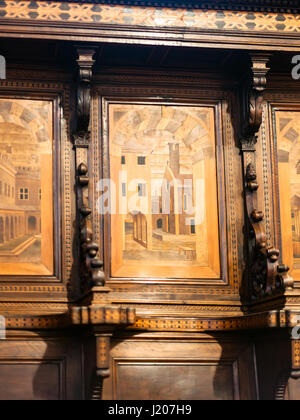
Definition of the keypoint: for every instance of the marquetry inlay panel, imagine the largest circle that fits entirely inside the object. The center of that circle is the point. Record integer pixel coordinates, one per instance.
(55, 92)
(149, 17)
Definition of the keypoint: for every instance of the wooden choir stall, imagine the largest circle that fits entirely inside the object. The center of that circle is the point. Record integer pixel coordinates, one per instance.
(150, 200)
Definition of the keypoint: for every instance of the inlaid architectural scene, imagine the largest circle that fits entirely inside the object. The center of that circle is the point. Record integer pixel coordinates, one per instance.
(288, 151)
(164, 167)
(25, 156)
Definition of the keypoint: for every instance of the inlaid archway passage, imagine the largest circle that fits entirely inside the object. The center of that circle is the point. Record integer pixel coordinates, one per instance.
(26, 231)
(287, 138)
(163, 201)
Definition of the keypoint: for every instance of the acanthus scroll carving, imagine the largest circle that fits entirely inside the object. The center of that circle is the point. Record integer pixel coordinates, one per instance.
(265, 275)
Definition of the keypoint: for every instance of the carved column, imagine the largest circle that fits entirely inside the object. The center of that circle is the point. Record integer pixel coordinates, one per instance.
(264, 275)
(92, 267)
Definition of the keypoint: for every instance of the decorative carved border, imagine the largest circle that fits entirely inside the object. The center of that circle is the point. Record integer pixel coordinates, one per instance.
(107, 14)
(101, 316)
(281, 391)
(37, 288)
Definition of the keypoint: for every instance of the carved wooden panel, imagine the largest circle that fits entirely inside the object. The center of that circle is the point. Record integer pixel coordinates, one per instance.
(191, 368)
(26, 187)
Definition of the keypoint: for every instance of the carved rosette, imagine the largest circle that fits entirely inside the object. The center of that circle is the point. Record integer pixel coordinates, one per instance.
(265, 275)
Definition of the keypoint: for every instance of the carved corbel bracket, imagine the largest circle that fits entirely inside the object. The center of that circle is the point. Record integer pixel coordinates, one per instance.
(265, 275)
(91, 266)
(253, 99)
(85, 63)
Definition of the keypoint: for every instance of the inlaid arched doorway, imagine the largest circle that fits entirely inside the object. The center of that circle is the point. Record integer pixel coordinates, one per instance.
(32, 223)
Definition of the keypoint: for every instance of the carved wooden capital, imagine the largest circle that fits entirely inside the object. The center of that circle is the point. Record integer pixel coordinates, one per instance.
(91, 271)
(265, 274)
(253, 99)
(85, 63)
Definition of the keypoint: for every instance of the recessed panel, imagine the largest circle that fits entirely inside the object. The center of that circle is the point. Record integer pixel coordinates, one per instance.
(30, 381)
